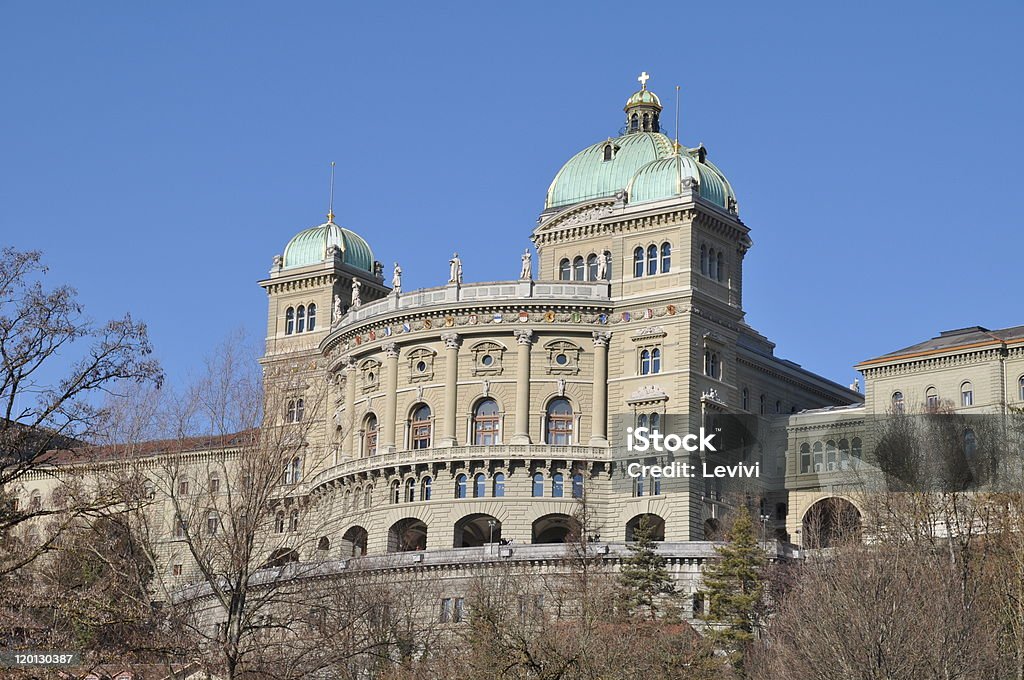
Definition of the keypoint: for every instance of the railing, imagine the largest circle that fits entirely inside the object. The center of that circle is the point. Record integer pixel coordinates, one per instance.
(489, 292)
(437, 455)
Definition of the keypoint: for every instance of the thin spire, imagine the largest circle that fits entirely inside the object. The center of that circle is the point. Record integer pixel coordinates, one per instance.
(330, 210)
(677, 120)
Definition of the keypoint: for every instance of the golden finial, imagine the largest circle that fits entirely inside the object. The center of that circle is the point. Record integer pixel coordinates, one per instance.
(330, 210)
(676, 143)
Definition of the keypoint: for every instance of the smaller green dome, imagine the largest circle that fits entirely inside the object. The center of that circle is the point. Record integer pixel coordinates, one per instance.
(667, 177)
(643, 97)
(310, 246)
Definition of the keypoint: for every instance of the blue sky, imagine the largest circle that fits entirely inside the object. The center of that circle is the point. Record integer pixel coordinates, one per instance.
(161, 153)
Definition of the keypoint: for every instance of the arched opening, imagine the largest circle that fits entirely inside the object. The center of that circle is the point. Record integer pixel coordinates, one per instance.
(704, 260)
(324, 544)
(289, 321)
(486, 423)
(473, 531)
(311, 317)
(353, 542)
(558, 424)
(281, 557)
(555, 528)
(370, 435)
(460, 486)
(592, 267)
(564, 270)
(407, 535)
(720, 267)
(420, 427)
(634, 123)
(578, 273)
(829, 522)
(666, 257)
(300, 319)
(479, 485)
(537, 487)
(653, 523)
(638, 262)
(410, 490)
(652, 260)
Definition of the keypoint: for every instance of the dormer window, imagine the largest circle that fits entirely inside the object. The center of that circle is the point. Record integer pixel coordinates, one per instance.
(609, 152)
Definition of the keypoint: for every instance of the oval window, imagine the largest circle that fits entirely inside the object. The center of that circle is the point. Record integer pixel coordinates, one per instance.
(487, 360)
(561, 359)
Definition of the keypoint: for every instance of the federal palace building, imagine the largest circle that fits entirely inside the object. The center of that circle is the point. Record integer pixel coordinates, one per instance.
(466, 423)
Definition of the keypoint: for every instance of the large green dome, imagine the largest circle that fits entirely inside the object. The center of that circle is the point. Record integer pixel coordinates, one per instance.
(310, 247)
(646, 165)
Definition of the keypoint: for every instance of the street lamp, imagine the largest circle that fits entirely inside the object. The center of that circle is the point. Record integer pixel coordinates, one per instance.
(764, 529)
(492, 523)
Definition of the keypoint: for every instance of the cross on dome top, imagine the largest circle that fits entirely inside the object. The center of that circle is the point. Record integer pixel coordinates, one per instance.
(643, 78)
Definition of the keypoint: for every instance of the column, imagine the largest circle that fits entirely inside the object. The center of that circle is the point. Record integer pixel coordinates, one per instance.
(599, 429)
(390, 397)
(350, 423)
(524, 338)
(451, 388)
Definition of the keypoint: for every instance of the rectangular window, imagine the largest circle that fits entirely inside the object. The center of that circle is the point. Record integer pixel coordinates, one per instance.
(459, 610)
(183, 488)
(805, 462)
(446, 610)
(968, 398)
(176, 570)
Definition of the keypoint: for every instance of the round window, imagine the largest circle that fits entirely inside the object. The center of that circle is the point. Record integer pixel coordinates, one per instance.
(487, 360)
(421, 367)
(369, 377)
(561, 359)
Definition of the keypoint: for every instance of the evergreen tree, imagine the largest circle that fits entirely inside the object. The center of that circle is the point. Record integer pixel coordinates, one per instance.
(644, 576)
(734, 586)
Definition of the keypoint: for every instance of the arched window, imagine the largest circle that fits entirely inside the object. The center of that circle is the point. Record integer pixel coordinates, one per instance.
(499, 485)
(410, 490)
(300, 410)
(279, 522)
(778, 406)
(214, 484)
(645, 362)
(324, 544)
(425, 490)
(564, 270)
(212, 523)
(577, 485)
(647, 121)
(296, 470)
(559, 423)
(1020, 388)
(704, 260)
(656, 486)
(556, 485)
(396, 492)
(655, 360)
(720, 267)
(897, 402)
(763, 398)
(578, 273)
(844, 454)
(420, 427)
(652, 260)
(480, 485)
(830, 455)
(289, 412)
(805, 458)
(666, 257)
(746, 399)
(818, 458)
(608, 152)
(638, 262)
(931, 398)
(370, 435)
(538, 485)
(311, 318)
(289, 321)
(655, 422)
(293, 521)
(967, 394)
(638, 487)
(634, 123)
(300, 319)
(642, 420)
(367, 497)
(592, 267)
(486, 423)
(711, 364)
(460, 486)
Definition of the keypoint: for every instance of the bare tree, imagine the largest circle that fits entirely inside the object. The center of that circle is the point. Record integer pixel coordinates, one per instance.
(48, 401)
